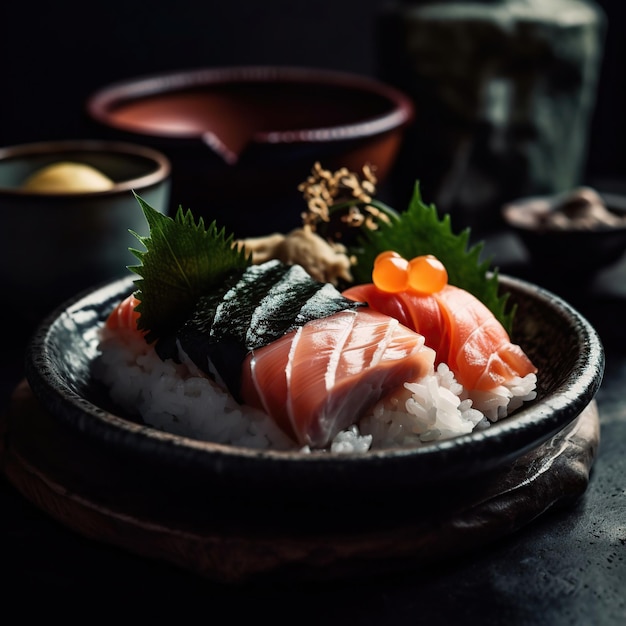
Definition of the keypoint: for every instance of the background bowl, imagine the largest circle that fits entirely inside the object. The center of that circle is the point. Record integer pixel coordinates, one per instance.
(54, 244)
(237, 137)
(569, 250)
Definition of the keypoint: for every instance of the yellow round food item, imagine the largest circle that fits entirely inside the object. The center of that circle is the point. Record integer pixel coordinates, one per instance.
(67, 177)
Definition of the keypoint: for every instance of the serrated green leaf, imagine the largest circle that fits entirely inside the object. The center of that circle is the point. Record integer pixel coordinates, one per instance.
(182, 261)
(420, 230)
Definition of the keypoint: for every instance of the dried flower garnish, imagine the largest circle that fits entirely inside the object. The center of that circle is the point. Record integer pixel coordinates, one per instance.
(340, 202)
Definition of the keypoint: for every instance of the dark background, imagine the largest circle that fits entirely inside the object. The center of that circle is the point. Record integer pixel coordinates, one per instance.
(54, 54)
(567, 568)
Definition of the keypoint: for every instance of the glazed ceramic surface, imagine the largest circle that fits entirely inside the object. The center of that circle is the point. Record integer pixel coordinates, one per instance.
(145, 467)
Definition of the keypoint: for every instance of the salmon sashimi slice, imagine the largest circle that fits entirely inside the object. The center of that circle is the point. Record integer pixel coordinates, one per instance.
(479, 348)
(265, 369)
(124, 315)
(321, 378)
(424, 317)
(464, 333)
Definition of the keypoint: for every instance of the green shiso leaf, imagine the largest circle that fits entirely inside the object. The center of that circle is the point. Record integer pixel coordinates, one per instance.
(420, 230)
(182, 261)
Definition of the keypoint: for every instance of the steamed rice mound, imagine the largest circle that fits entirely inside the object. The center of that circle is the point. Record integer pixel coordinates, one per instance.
(179, 399)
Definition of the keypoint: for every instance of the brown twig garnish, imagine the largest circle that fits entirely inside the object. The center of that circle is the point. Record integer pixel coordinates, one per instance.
(324, 191)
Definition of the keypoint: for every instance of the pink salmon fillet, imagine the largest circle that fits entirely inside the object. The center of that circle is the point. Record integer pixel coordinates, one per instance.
(321, 378)
(459, 327)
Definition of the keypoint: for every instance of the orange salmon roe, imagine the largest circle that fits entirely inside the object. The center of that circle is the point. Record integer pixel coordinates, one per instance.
(390, 272)
(386, 255)
(424, 273)
(427, 274)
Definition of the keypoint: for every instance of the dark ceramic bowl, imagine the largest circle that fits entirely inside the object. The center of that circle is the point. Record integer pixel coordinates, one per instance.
(56, 243)
(234, 514)
(191, 474)
(238, 136)
(571, 252)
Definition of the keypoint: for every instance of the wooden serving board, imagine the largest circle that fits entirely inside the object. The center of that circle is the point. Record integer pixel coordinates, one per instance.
(555, 474)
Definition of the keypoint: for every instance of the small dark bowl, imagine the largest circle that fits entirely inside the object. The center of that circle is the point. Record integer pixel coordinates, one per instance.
(242, 139)
(56, 243)
(562, 252)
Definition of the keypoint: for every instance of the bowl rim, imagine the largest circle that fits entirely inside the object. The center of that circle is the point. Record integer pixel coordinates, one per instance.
(615, 203)
(161, 172)
(402, 112)
(532, 425)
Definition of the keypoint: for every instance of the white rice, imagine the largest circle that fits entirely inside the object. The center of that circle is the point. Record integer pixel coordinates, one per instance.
(178, 398)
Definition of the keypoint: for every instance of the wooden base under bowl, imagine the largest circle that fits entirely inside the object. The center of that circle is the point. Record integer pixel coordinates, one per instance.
(554, 474)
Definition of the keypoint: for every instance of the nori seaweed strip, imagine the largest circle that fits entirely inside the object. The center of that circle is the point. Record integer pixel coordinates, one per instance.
(236, 314)
(266, 302)
(277, 312)
(217, 349)
(326, 301)
(194, 335)
(197, 340)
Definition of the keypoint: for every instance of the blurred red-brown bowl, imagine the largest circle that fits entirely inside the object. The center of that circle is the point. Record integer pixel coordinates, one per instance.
(241, 139)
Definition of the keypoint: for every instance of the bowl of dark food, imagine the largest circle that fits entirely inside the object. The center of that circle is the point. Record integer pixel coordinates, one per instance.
(296, 405)
(242, 138)
(577, 233)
